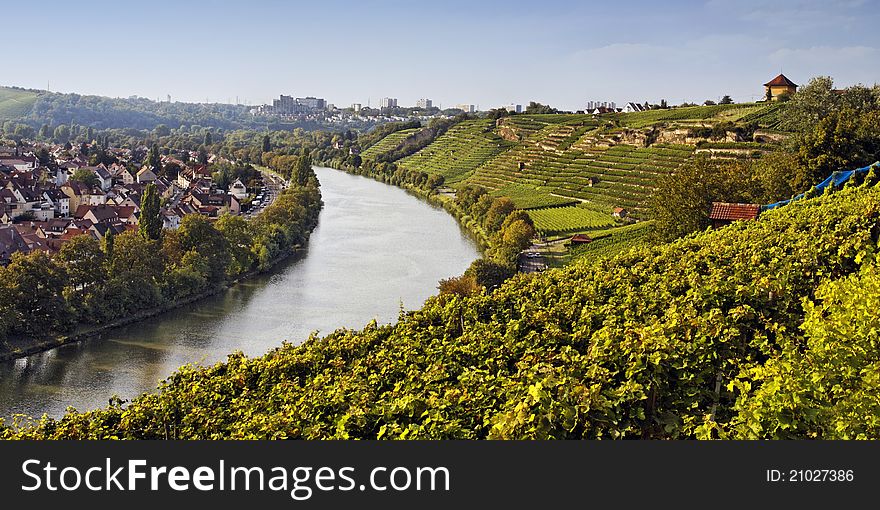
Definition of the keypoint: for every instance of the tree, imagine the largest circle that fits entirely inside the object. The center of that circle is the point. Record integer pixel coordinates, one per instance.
(197, 233)
(107, 245)
(267, 145)
(45, 132)
(535, 107)
(154, 161)
(34, 284)
(84, 264)
(85, 176)
(726, 100)
(812, 103)
(680, 205)
(134, 275)
(150, 221)
(842, 140)
(495, 216)
(462, 286)
(780, 176)
(238, 234)
(303, 169)
(489, 274)
(467, 196)
(208, 139)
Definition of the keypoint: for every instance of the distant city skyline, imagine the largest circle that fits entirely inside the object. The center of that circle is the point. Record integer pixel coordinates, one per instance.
(489, 54)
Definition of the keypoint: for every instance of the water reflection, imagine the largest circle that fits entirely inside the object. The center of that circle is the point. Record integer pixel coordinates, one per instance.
(375, 247)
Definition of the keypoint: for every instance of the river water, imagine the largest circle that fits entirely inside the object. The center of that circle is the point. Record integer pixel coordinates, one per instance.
(376, 247)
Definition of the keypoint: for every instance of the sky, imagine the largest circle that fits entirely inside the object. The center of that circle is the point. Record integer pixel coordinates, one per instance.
(487, 53)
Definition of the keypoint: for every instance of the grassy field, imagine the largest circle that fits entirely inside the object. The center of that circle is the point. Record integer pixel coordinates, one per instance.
(556, 220)
(15, 103)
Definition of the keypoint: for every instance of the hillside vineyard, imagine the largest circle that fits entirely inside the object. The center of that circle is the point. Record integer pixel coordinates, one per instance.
(758, 330)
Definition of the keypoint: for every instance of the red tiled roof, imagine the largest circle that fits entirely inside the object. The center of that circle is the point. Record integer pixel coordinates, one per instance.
(581, 238)
(726, 211)
(780, 81)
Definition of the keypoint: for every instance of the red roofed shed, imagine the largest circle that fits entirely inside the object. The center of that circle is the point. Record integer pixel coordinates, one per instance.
(724, 213)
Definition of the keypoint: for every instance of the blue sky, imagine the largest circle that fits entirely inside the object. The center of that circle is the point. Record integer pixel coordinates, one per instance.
(487, 53)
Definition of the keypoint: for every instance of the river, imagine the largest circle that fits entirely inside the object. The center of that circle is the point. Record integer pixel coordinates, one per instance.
(376, 248)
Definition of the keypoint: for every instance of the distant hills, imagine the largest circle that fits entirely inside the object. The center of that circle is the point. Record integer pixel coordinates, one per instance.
(36, 108)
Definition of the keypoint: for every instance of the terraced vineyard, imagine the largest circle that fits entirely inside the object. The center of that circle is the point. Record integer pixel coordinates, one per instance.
(613, 242)
(459, 151)
(15, 104)
(557, 220)
(561, 161)
(388, 143)
(715, 113)
(528, 197)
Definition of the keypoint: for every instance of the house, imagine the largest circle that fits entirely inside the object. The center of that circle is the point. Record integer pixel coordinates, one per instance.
(10, 242)
(779, 86)
(578, 239)
(80, 194)
(22, 163)
(105, 178)
(633, 107)
(724, 213)
(99, 230)
(59, 201)
(146, 175)
(127, 214)
(120, 174)
(103, 213)
(170, 218)
(238, 190)
(619, 212)
(55, 227)
(191, 174)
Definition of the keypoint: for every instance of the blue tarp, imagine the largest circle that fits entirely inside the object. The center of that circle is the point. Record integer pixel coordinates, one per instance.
(835, 179)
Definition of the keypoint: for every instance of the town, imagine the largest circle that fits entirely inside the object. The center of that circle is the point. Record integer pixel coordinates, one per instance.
(51, 193)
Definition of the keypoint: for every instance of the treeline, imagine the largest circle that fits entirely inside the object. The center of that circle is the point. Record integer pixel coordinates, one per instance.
(832, 131)
(508, 230)
(389, 173)
(93, 282)
(136, 113)
(764, 329)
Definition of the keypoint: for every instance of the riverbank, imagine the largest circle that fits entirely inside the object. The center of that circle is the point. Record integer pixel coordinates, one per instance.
(463, 219)
(22, 345)
(15, 348)
(377, 248)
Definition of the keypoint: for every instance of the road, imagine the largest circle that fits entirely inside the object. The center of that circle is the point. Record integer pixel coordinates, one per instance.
(531, 261)
(272, 186)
